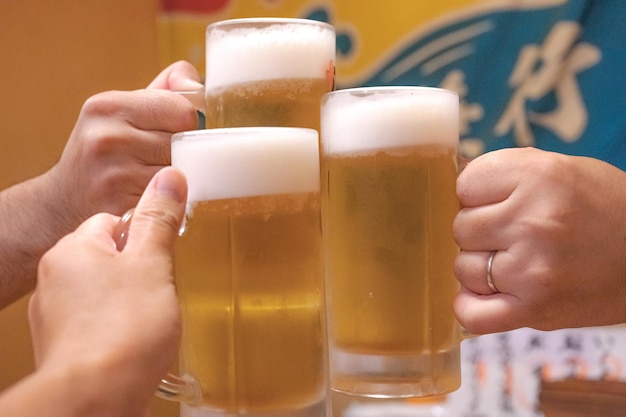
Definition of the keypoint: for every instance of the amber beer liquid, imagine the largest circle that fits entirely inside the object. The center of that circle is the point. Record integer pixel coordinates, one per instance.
(249, 274)
(267, 72)
(389, 170)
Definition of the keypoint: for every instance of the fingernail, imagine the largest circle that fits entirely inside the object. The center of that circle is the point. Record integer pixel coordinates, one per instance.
(170, 184)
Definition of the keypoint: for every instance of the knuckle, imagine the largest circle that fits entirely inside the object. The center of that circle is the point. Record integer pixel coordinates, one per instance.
(160, 215)
(548, 165)
(102, 104)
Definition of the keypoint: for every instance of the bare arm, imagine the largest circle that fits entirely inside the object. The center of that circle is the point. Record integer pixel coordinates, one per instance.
(30, 224)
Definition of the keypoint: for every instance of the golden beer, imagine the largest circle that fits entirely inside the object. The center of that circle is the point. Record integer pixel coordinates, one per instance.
(284, 102)
(389, 232)
(249, 271)
(389, 168)
(267, 72)
(249, 277)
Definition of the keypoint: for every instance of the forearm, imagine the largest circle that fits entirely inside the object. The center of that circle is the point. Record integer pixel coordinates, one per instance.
(43, 395)
(30, 223)
(72, 391)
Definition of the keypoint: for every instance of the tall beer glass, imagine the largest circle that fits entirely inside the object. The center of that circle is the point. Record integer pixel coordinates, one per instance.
(389, 168)
(267, 72)
(248, 269)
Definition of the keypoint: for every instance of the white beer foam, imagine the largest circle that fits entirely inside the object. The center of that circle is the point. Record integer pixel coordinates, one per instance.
(248, 54)
(365, 119)
(247, 161)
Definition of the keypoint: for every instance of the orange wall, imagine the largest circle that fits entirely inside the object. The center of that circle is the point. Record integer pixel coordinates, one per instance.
(55, 54)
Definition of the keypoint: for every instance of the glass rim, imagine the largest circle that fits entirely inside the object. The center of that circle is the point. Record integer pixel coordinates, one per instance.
(366, 91)
(268, 21)
(244, 131)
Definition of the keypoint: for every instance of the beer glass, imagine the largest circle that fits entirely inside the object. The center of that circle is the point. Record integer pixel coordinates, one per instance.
(249, 274)
(389, 168)
(267, 72)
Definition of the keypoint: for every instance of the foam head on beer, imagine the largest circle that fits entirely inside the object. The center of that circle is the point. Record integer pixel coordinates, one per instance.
(405, 117)
(267, 49)
(243, 162)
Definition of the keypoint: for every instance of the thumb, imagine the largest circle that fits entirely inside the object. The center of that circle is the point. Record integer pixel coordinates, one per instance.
(159, 213)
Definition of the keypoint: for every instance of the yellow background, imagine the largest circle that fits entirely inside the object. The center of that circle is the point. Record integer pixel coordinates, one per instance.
(375, 26)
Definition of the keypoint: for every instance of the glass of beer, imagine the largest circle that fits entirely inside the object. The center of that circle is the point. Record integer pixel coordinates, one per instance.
(267, 72)
(389, 168)
(249, 273)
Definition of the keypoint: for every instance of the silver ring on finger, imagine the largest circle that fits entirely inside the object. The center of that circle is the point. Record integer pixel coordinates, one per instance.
(490, 282)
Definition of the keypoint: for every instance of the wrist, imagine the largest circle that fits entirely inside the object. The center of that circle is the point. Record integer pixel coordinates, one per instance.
(53, 392)
(89, 388)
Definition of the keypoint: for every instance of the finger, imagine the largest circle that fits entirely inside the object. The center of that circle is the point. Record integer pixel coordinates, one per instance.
(150, 110)
(470, 268)
(124, 187)
(487, 228)
(159, 213)
(182, 78)
(156, 149)
(95, 232)
(487, 179)
(99, 227)
(151, 147)
(482, 314)
(473, 229)
(180, 75)
(161, 110)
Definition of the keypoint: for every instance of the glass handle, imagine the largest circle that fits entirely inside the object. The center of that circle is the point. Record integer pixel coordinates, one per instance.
(464, 334)
(174, 388)
(196, 97)
(120, 234)
(171, 387)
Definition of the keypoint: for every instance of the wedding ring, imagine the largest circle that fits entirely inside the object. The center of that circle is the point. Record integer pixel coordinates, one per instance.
(490, 283)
